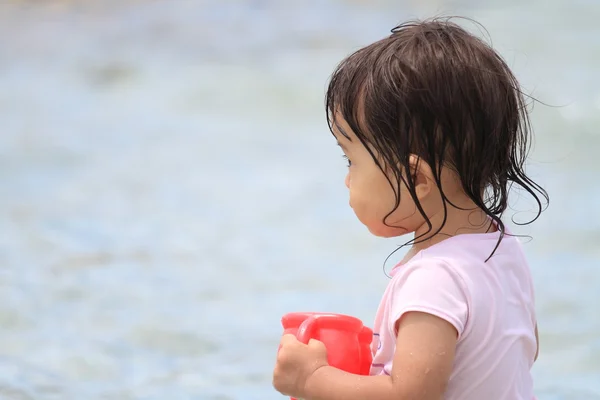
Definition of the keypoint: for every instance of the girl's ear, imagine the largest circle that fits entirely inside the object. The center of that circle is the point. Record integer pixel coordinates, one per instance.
(422, 175)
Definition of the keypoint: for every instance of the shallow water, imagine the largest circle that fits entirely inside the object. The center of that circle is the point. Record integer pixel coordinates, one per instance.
(169, 189)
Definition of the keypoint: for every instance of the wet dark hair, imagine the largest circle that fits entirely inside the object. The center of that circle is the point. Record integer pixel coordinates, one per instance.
(435, 90)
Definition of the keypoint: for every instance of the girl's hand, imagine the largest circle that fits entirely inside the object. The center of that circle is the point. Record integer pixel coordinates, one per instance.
(296, 363)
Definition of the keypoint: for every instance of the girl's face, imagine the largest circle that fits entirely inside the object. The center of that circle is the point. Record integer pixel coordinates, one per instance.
(371, 195)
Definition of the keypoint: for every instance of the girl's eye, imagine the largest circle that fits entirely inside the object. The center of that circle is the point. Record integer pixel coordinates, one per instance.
(347, 160)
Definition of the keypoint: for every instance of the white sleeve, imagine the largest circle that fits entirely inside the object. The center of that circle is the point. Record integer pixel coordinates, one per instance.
(433, 287)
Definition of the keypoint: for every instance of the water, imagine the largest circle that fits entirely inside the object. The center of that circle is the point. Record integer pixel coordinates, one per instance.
(169, 189)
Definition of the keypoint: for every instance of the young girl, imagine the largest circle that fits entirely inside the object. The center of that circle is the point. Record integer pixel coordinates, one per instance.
(435, 131)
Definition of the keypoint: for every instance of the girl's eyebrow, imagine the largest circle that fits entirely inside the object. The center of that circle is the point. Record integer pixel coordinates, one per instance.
(344, 134)
(342, 146)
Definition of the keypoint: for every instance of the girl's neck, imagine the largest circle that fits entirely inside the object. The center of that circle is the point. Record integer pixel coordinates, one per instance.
(468, 220)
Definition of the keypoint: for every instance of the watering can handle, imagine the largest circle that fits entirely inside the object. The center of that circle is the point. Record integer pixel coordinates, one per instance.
(307, 329)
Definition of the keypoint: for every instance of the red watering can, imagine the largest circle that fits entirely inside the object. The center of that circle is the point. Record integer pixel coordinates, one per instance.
(347, 340)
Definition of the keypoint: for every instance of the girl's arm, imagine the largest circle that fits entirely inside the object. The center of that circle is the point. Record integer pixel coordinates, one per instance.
(422, 365)
(428, 309)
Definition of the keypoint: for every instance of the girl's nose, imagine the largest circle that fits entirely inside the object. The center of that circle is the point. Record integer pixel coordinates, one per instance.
(347, 181)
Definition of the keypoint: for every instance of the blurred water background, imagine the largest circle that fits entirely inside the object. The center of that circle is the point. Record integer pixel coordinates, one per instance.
(169, 189)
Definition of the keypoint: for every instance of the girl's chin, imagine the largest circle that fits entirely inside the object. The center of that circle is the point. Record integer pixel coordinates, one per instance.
(386, 231)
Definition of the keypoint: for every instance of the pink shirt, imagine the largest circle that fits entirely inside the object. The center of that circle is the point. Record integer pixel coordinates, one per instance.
(491, 305)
